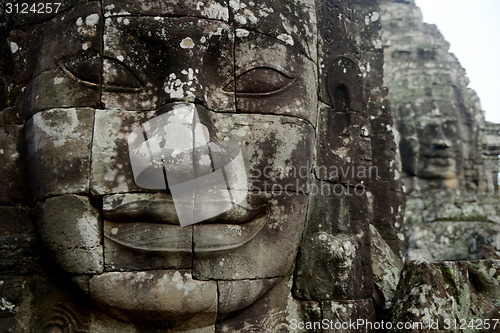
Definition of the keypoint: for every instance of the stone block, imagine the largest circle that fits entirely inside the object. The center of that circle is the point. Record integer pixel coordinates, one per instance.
(453, 240)
(38, 48)
(111, 171)
(58, 306)
(80, 29)
(293, 22)
(332, 268)
(384, 157)
(167, 298)
(54, 89)
(19, 246)
(239, 294)
(273, 78)
(276, 151)
(381, 119)
(24, 56)
(334, 260)
(69, 226)
(16, 220)
(329, 209)
(343, 147)
(67, 70)
(59, 151)
(146, 67)
(211, 9)
(340, 314)
(387, 267)
(12, 115)
(458, 291)
(484, 276)
(386, 207)
(266, 254)
(145, 246)
(359, 210)
(13, 164)
(272, 313)
(36, 304)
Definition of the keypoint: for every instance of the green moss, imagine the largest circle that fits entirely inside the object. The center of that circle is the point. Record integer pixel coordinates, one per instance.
(447, 274)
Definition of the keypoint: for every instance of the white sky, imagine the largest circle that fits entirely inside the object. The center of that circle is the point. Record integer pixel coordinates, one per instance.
(472, 27)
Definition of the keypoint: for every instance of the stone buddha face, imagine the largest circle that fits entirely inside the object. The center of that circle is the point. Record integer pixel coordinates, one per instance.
(439, 146)
(240, 77)
(436, 153)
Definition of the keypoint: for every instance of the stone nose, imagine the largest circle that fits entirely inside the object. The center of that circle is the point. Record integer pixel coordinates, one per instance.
(173, 151)
(164, 147)
(440, 144)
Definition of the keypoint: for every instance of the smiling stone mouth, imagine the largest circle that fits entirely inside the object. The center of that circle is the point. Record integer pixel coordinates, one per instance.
(168, 238)
(147, 222)
(160, 208)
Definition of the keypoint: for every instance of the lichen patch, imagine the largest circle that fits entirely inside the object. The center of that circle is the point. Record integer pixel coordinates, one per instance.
(187, 43)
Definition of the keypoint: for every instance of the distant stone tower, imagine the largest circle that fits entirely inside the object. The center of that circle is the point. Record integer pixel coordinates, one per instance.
(449, 153)
(449, 163)
(491, 152)
(295, 87)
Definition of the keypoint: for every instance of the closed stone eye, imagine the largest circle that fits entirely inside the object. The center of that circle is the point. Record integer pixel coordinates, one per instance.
(86, 70)
(260, 81)
(117, 77)
(83, 69)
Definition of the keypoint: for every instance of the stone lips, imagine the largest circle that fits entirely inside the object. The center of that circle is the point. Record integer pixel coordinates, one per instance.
(174, 239)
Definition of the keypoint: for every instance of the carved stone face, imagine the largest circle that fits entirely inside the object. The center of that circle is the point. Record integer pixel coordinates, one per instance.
(439, 146)
(249, 72)
(435, 150)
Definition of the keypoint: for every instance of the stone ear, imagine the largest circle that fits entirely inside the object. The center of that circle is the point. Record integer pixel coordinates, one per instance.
(345, 85)
(341, 98)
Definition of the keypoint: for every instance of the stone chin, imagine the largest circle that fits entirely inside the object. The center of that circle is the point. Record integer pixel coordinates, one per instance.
(163, 298)
(171, 298)
(437, 168)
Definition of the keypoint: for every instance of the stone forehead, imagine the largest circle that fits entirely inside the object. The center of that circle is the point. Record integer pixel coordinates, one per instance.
(81, 29)
(292, 22)
(243, 12)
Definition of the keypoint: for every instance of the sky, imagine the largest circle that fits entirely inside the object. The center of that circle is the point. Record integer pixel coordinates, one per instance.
(472, 27)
